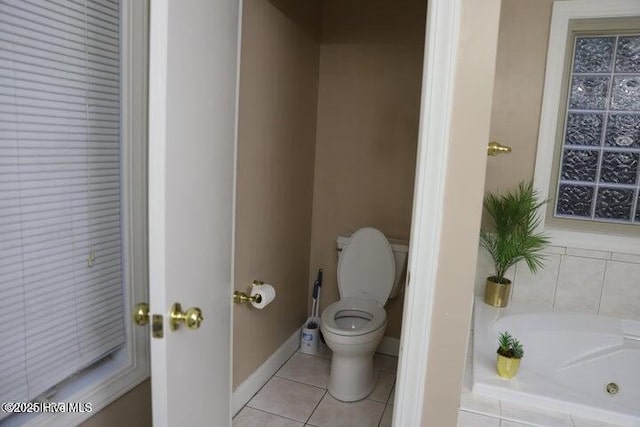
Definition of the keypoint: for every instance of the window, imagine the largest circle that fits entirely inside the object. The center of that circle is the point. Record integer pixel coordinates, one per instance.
(589, 140)
(60, 204)
(601, 138)
(68, 216)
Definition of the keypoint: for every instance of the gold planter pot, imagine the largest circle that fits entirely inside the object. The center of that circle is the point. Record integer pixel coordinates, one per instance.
(497, 294)
(507, 367)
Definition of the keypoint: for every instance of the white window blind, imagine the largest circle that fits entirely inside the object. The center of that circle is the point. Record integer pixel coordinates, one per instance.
(61, 281)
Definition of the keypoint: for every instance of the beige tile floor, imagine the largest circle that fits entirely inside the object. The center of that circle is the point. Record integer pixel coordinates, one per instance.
(297, 396)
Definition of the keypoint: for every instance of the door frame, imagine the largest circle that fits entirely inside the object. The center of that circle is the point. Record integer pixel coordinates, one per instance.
(439, 66)
(439, 75)
(457, 90)
(441, 40)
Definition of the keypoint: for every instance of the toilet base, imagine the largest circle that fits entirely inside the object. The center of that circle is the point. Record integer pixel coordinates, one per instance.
(352, 377)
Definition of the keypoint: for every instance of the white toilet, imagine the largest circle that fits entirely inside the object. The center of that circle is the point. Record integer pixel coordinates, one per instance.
(370, 268)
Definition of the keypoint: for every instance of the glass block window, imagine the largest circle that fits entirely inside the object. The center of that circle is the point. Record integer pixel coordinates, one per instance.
(599, 172)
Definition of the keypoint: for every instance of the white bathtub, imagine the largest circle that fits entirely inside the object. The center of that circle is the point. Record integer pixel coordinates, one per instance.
(568, 361)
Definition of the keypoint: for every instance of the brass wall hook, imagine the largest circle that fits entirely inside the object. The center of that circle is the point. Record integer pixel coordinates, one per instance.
(495, 148)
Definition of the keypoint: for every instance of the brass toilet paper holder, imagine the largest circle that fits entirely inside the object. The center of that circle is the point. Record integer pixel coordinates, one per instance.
(241, 297)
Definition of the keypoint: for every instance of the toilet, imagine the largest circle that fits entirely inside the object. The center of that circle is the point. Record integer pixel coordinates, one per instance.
(370, 267)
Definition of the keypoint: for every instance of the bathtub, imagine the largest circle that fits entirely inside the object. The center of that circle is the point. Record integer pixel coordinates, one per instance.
(569, 359)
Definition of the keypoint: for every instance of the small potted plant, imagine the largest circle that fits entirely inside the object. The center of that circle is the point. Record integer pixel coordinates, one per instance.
(512, 238)
(510, 352)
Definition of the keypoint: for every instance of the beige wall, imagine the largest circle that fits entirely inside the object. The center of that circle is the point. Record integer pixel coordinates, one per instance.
(276, 138)
(522, 49)
(368, 106)
(514, 117)
(517, 100)
(517, 95)
(471, 114)
(131, 409)
(305, 14)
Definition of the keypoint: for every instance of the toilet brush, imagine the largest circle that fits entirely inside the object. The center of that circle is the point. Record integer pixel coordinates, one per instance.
(317, 288)
(311, 328)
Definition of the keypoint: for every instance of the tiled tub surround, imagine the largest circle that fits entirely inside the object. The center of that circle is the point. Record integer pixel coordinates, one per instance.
(575, 280)
(297, 396)
(569, 360)
(572, 280)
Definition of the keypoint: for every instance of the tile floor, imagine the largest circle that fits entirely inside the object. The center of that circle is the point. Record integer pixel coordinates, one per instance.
(297, 396)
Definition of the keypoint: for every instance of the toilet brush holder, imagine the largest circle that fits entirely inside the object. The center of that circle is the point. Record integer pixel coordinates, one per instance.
(310, 336)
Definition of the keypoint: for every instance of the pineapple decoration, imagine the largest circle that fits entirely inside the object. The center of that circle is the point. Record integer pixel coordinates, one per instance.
(510, 351)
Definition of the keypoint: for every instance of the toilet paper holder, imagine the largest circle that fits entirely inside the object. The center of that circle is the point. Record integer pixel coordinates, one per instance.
(241, 297)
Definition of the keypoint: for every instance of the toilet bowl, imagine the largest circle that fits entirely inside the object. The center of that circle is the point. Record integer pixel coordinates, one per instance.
(354, 326)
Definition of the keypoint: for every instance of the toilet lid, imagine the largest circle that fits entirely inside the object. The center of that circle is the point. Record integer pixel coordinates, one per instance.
(367, 267)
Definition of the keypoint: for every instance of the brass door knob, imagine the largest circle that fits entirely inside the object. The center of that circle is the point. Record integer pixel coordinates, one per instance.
(192, 318)
(141, 314)
(495, 148)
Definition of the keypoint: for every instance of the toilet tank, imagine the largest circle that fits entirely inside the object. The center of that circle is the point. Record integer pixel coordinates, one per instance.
(400, 250)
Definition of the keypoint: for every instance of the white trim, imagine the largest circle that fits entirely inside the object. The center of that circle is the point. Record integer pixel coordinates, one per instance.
(260, 376)
(390, 346)
(441, 48)
(111, 379)
(563, 13)
(232, 401)
(158, 52)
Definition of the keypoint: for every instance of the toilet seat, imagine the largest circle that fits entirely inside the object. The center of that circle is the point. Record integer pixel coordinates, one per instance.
(367, 266)
(369, 308)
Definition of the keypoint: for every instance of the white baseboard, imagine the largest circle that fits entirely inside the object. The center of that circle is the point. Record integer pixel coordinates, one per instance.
(251, 385)
(390, 346)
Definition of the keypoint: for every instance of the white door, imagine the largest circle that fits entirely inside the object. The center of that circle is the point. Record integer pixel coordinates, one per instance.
(192, 99)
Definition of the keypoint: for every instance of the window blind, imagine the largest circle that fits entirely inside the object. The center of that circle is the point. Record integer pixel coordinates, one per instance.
(61, 273)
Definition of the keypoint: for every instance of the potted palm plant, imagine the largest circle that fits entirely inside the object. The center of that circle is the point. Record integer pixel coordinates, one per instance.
(512, 238)
(510, 352)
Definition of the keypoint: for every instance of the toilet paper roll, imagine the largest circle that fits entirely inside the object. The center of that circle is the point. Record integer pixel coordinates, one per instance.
(267, 294)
